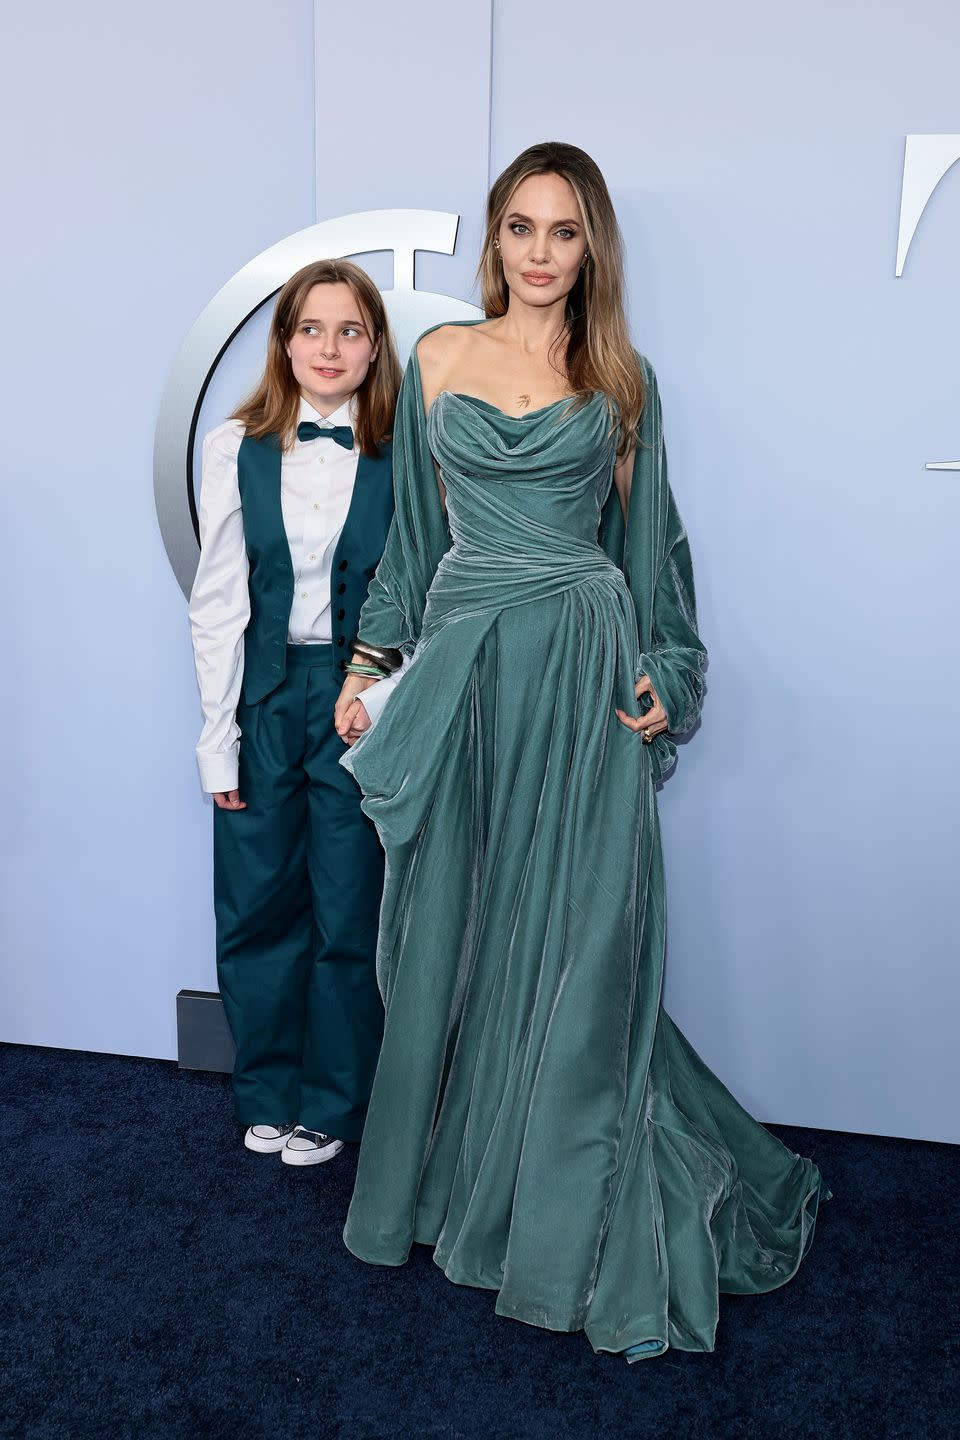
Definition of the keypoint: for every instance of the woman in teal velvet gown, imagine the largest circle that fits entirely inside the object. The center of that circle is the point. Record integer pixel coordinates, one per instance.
(536, 1116)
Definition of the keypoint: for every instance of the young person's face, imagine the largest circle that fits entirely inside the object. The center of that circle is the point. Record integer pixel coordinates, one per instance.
(331, 348)
(542, 240)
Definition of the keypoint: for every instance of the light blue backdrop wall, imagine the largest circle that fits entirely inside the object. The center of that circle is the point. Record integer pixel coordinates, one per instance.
(812, 827)
(755, 158)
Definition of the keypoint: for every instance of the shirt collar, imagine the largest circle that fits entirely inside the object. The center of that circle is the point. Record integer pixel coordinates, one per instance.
(346, 415)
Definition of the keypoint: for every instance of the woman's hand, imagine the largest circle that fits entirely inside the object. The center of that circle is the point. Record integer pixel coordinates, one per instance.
(654, 720)
(350, 719)
(229, 800)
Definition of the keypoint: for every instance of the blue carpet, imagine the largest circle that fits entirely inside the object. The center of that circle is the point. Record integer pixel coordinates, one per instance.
(160, 1281)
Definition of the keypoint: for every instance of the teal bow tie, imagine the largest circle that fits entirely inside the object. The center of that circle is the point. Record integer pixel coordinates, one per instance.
(339, 434)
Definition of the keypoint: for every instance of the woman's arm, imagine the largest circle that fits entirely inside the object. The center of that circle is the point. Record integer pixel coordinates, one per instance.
(675, 658)
(219, 610)
(392, 614)
(645, 534)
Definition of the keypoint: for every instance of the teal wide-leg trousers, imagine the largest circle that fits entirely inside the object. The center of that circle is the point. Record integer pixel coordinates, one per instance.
(298, 877)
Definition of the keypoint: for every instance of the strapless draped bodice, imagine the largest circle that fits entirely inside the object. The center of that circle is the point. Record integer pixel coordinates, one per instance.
(523, 496)
(548, 471)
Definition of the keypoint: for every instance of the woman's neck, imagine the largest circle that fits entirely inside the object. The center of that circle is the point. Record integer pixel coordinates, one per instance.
(534, 329)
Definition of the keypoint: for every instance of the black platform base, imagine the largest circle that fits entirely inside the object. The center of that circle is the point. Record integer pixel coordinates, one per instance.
(204, 1041)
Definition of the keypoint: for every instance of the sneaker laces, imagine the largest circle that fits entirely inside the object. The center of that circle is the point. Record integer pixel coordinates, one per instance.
(316, 1137)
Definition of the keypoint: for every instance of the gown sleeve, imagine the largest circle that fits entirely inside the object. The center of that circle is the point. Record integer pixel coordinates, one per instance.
(653, 551)
(392, 614)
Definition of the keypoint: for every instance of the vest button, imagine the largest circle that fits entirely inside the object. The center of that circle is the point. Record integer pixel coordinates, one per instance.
(341, 641)
(341, 613)
(342, 565)
(340, 588)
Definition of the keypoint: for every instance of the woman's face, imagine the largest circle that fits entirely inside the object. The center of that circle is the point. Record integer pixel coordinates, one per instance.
(542, 240)
(331, 347)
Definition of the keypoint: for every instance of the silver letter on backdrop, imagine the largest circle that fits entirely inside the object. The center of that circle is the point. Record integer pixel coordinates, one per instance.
(401, 231)
(926, 160)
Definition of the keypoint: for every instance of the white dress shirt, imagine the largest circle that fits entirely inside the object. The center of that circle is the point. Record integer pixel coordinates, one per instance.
(316, 486)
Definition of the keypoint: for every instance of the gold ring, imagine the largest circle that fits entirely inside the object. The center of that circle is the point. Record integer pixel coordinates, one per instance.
(647, 737)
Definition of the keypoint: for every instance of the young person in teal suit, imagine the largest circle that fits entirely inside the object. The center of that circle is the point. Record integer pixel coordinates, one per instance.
(296, 501)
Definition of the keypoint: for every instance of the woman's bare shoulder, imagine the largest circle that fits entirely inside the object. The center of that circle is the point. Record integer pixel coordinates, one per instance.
(444, 344)
(444, 354)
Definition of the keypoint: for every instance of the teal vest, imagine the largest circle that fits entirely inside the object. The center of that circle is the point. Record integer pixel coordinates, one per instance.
(356, 557)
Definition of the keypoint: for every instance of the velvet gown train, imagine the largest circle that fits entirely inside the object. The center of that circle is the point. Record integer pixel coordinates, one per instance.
(536, 1115)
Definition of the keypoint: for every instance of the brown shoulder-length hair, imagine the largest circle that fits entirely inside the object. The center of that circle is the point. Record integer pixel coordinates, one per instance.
(274, 405)
(598, 354)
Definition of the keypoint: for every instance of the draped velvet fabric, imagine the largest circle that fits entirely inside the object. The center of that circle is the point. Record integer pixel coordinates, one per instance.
(536, 1116)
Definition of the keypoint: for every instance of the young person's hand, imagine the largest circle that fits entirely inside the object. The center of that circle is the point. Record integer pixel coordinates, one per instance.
(359, 721)
(348, 707)
(229, 800)
(652, 721)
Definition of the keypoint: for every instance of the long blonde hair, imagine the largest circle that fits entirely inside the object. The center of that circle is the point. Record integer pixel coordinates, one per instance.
(273, 407)
(598, 355)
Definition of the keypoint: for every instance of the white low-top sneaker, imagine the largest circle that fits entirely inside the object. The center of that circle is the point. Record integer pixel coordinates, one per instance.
(267, 1139)
(309, 1147)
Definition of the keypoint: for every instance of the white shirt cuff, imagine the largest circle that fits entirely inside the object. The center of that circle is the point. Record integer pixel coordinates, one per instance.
(219, 771)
